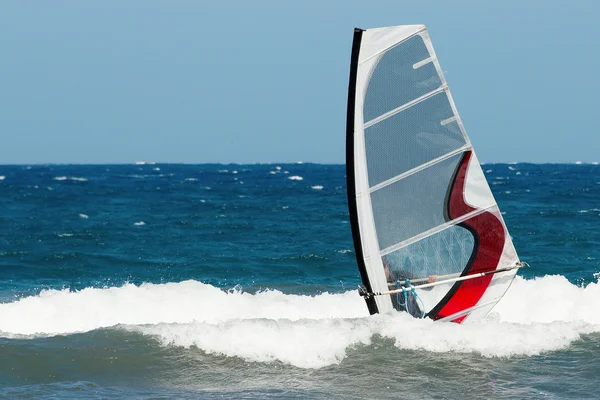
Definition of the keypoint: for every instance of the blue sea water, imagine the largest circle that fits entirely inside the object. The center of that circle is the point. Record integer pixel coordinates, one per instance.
(238, 281)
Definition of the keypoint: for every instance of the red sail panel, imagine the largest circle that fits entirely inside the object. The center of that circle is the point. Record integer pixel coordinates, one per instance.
(489, 235)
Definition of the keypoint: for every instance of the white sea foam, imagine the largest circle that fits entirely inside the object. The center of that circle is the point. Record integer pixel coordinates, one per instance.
(295, 178)
(84, 216)
(140, 223)
(535, 316)
(2, 177)
(317, 187)
(71, 178)
(64, 234)
(590, 210)
(191, 179)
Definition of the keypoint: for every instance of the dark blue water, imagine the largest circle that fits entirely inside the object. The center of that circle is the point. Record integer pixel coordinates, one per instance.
(202, 281)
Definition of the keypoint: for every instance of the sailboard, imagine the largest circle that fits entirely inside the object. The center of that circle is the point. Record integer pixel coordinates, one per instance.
(421, 210)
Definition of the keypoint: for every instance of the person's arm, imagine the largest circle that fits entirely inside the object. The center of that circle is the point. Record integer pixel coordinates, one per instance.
(401, 275)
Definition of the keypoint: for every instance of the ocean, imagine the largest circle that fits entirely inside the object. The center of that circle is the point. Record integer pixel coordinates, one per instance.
(155, 281)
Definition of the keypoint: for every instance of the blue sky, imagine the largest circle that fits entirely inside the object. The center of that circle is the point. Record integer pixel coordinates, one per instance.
(117, 81)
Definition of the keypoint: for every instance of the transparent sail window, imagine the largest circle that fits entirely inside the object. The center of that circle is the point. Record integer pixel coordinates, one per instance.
(394, 80)
(442, 256)
(413, 205)
(411, 138)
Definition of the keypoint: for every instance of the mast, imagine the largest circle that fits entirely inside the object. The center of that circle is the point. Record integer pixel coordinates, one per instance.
(350, 182)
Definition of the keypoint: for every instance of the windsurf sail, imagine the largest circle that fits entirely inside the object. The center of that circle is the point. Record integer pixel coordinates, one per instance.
(420, 206)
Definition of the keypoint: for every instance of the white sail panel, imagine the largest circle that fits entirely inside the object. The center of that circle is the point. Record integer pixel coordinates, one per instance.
(375, 41)
(477, 190)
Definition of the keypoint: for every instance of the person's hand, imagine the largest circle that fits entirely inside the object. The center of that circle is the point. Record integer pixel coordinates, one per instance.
(432, 278)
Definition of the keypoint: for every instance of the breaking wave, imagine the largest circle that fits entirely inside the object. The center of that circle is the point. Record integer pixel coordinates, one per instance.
(538, 315)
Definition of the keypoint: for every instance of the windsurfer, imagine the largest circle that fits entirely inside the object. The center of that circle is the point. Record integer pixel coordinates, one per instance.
(398, 300)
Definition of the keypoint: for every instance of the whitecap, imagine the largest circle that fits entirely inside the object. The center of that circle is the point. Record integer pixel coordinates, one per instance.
(589, 210)
(71, 178)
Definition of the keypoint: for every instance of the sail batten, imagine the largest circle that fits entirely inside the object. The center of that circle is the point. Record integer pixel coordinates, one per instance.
(419, 168)
(405, 106)
(419, 202)
(433, 231)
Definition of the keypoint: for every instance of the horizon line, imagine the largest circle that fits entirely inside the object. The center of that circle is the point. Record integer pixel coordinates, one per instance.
(140, 163)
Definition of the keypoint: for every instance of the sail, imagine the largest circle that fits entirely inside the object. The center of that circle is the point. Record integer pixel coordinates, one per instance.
(419, 202)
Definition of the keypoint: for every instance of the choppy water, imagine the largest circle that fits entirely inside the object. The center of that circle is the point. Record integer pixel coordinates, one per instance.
(212, 281)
